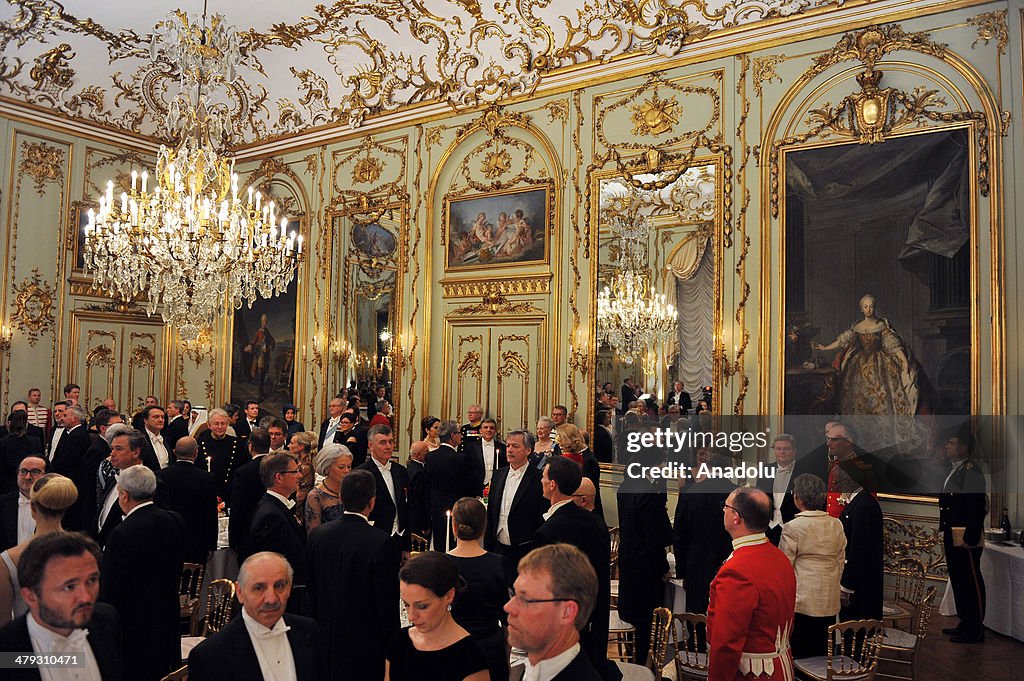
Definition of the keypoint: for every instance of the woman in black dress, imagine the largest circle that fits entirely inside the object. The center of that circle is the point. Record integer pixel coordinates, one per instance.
(435, 647)
(478, 607)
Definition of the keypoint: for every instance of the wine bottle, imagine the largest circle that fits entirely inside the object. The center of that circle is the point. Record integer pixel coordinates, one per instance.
(1005, 524)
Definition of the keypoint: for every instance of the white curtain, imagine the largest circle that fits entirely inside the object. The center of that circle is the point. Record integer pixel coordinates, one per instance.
(693, 268)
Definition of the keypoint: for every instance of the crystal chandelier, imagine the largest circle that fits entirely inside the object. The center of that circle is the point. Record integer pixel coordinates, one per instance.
(630, 317)
(191, 243)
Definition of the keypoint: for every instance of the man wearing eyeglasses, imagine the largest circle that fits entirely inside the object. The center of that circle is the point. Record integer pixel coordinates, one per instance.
(15, 511)
(750, 614)
(550, 603)
(274, 527)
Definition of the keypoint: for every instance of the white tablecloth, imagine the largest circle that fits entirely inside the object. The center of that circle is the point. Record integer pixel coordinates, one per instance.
(1002, 568)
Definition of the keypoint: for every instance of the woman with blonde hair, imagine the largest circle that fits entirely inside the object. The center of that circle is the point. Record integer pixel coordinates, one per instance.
(51, 495)
(323, 504)
(573, 445)
(303, 445)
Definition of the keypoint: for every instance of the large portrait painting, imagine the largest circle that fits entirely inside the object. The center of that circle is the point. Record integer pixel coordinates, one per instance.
(878, 297)
(263, 349)
(498, 228)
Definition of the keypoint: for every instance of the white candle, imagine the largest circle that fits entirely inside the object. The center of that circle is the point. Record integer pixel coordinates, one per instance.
(447, 530)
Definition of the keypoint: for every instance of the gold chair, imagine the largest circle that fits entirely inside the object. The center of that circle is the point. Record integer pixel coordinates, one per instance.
(622, 635)
(177, 674)
(219, 605)
(908, 590)
(419, 544)
(613, 542)
(898, 644)
(661, 626)
(689, 638)
(189, 588)
(852, 653)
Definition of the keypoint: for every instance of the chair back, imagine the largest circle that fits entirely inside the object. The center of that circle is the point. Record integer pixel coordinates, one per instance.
(419, 544)
(219, 605)
(613, 541)
(909, 575)
(177, 674)
(191, 584)
(923, 614)
(661, 625)
(689, 638)
(853, 649)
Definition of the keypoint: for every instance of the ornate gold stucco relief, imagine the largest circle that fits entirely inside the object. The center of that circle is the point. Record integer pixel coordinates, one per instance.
(41, 162)
(33, 307)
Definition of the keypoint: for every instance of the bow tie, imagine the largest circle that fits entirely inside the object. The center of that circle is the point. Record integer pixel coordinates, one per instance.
(276, 632)
(76, 640)
(158, 438)
(386, 467)
(23, 500)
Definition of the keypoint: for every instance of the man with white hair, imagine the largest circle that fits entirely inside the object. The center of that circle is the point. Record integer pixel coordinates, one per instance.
(221, 453)
(69, 455)
(265, 643)
(141, 570)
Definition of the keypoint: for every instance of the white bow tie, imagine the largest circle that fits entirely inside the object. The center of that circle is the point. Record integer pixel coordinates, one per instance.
(23, 501)
(273, 633)
(158, 438)
(76, 640)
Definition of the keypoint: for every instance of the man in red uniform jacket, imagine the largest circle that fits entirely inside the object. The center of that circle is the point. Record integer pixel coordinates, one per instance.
(750, 614)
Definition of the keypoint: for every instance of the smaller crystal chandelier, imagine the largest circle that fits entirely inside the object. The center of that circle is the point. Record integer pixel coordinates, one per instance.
(630, 317)
(191, 243)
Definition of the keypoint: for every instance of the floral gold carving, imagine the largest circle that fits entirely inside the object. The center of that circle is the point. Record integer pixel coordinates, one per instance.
(655, 116)
(558, 110)
(909, 537)
(100, 356)
(367, 170)
(33, 307)
(496, 164)
(764, 71)
(991, 26)
(42, 163)
(494, 302)
(518, 286)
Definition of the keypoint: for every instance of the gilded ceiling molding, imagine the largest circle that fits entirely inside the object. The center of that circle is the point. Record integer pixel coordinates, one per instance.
(991, 26)
(512, 286)
(873, 114)
(33, 307)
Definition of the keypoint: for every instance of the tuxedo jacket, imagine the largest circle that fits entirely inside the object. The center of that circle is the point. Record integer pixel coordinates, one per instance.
(863, 574)
(174, 431)
(190, 492)
(113, 519)
(104, 638)
(229, 654)
(68, 458)
(385, 509)
(141, 568)
(524, 516)
(242, 428)
(683, 399)
(323, 432)
(419, 497)
(353, 594)
(962, 502)
(579, 669)
(474, 453)
(604, 445)
(788, 509)
(246, 493)
(9, 520)
(274, 528)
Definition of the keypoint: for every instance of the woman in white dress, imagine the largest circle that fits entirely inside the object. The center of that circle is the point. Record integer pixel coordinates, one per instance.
(51, 495)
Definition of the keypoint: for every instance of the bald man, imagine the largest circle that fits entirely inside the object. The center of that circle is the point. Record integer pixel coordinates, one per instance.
(584, 496)
(192, 492)
(419, 489)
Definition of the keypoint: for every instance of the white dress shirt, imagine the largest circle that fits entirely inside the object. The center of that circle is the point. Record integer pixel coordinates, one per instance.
(109, 502)
(135, 508)
(57, 432)
(26, 523)
(545, 670)
(779, 487)
(157, 440)
(332, 428)
(47, 642)
(385, 471)
(273, 650)
(288, 503)
(515, 477)
(488, 451)
(554, 507)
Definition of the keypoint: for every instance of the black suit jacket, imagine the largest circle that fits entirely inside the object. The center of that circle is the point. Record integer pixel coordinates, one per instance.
(141, 570)
(450, 479)
(246, 493)
(242, 427)
(174, 431)
(419, 498)
(474, 454)
(524, 516)
(683, 399)
(570, 524)
(384, 510)
(700, 542)
(323, 432)
(353, 593)
(962, 502)
(229, 655)
(274, 528)
(604, 445)
(644, 532)
(592, 470)
(789, 510)
(68, 458)
(9, 520)
(191, 492)
(862, 523)
(580, 669)
(104, 639)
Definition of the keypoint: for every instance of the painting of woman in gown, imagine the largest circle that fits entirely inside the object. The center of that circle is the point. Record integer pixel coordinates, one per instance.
(878, 377)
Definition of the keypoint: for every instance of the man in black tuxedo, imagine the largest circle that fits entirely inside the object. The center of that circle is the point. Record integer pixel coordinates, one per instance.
(484, 456)
(353, 585)
(419, 489)
(862, 581)
(263, 589)
(962, 504)
(246, 492)
(628, 393)
(553, 599)
(450, 479)
(516, 505)
(191, 492)
(156, 449)
(64, 619)
(16, 522)
(680, 397)
(780, 486)
(138, 419)
(141, 572)
(125, 451)
(81, 514)
(391, 510)
(249, 419)
(567, 523)
(604, 443)
(68, 459)
(274, 526)
(329, 426)
(177, 427)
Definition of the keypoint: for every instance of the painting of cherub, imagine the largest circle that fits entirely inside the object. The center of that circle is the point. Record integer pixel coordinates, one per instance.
(490, 230)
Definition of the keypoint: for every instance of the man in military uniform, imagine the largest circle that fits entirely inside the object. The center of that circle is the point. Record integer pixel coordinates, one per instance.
(962, 510)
